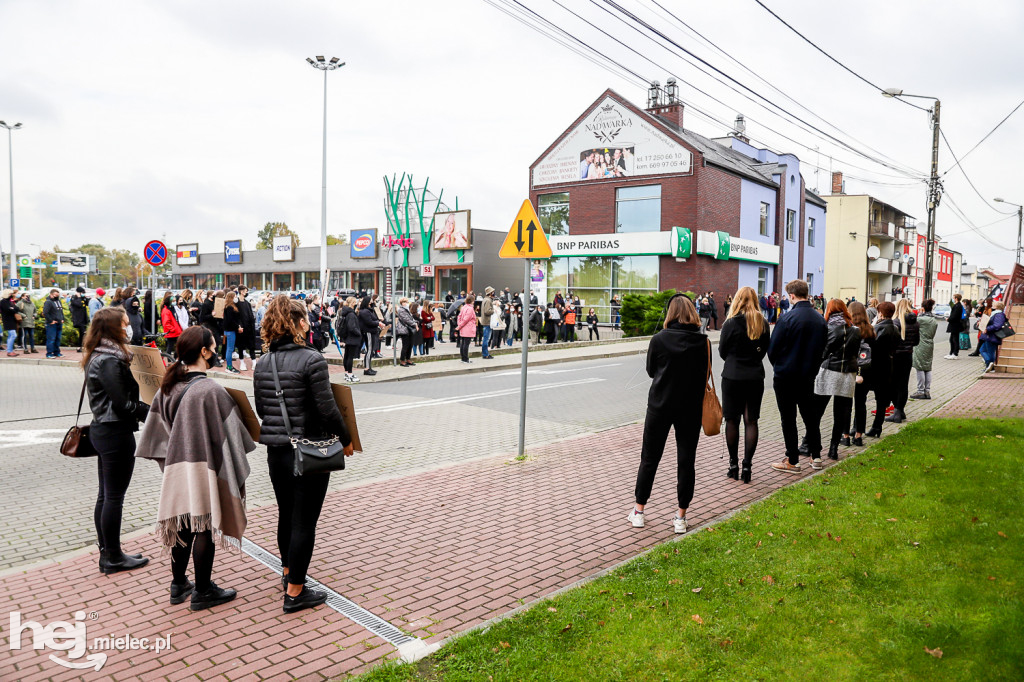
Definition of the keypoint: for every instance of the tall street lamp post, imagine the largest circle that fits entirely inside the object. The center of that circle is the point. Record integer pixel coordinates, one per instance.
(1020, 221)
(934, 186)
(325, 66)
(10, 168)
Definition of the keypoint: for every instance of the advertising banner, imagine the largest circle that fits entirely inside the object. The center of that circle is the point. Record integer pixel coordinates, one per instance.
(72, 264)
(284, 249)
(362, 243)
(614, 244)
(611, 143)
(233, 251)
(451, 230)
(186, 254)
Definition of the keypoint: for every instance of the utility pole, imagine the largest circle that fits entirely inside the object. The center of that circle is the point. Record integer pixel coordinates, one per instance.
(934, 195)
(325, 66)
(10, 169)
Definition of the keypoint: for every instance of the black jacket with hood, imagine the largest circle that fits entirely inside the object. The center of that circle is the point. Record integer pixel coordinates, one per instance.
(907, 340)
(886, 339)
(350, 331)
(677, 361)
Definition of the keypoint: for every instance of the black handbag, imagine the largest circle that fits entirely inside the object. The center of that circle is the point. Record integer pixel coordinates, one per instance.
(1004, 332)
(311, 456)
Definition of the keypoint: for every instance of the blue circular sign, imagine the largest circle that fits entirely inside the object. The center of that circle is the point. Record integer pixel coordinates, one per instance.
(155, 253)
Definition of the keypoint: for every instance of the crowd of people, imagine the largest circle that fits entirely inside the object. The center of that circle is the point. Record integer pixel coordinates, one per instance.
(833, 352)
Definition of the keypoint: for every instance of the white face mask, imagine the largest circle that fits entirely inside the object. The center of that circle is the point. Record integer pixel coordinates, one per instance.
(128, 331)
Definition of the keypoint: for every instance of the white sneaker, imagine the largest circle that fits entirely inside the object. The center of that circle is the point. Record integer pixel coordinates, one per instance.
(353, 378)
(679, 525)
(636, 518)
(816, 463)
(947, 356)
(241, 364)
(954, 357)
(991, 367)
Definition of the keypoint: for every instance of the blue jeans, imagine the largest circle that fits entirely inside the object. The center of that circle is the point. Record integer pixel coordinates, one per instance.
(486, 340)
(11, 336)
(229, 351)
(53, 334)
(988, 351)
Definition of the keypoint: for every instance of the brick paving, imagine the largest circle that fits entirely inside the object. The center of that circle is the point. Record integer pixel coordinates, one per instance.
(996, 396)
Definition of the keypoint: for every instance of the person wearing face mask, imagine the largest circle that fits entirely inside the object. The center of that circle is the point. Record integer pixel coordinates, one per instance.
(116, 413)
(195, 430)
(53, 313)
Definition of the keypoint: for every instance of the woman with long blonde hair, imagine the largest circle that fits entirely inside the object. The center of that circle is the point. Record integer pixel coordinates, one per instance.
(909, 333)
(743, 345)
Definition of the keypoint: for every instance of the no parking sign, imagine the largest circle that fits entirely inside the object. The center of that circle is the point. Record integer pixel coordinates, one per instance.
(155, 253)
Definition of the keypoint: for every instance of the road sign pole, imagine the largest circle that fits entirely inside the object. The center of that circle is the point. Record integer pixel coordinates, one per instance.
(526, 350)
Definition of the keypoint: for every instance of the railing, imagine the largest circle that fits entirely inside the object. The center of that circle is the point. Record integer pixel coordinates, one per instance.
(879, 265)
(881, 229)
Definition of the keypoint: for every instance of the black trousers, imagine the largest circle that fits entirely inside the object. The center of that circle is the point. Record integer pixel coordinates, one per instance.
(464, 342)
(351, 353)
(28, 338)
(954, 343)
(171, 345)
(116, 462)
(656, 427)
(882, 400)
(372, 343)
(841, 408)
(794, 394)
(594, 332)
(81, 329)
(299, 502)
(860, 407)
(902, 363)
(201, 548)
(406, 351)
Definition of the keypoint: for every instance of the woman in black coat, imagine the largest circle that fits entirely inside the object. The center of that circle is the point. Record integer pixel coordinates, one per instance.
(312, 413)
(350, 334)
(905, 322)
(743, 345)
(116, 412)
(677, 361)
(840, 356)
(133, 307)
(954, 326)
(79, 314)
(886, 339)
(859, 318)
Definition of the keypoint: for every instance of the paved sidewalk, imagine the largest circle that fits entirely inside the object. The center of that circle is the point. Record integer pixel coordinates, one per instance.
(995, 396)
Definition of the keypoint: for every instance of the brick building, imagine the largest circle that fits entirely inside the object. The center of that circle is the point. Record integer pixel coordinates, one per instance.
(633, 201)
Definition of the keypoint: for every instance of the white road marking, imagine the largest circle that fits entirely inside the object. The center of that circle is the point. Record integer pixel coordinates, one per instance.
(21, 439)
(417, 404)
(517, 372)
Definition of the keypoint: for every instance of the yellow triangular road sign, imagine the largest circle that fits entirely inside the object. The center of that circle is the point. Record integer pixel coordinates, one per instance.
(526, 238)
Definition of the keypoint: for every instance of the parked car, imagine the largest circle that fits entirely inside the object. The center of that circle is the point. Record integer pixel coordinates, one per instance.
(941, 311)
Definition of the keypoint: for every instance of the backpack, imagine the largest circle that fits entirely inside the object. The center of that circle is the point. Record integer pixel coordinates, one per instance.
(864, 356)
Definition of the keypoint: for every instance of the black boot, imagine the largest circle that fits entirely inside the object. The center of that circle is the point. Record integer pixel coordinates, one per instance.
(181, 592)
(210, 597)
(833, 450)
(307, 599)
(858, 441)
(845, 441)
(896, 417)
(745, 475)
(123, 563)
(734, 470)
(874, 433)
(105, 558)
(804, 450)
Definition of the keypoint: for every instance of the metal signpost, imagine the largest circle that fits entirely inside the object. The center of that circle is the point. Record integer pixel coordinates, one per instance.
(394, 262)
(526, 240)
(155, 253)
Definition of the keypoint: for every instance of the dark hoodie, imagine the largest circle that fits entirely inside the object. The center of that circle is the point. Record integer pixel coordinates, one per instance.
(906, 345)
(350, 332)
(677, 361)
(886, 339)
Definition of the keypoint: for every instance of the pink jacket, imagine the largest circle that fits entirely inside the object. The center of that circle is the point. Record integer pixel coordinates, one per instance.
(467, 320)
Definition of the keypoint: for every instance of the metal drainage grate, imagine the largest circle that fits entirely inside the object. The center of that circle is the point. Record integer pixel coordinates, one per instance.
(370, 621)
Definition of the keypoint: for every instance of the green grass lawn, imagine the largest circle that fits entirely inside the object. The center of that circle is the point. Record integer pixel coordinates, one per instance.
(913, 547)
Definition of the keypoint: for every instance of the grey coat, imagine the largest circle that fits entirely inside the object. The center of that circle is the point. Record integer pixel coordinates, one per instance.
(927, 326)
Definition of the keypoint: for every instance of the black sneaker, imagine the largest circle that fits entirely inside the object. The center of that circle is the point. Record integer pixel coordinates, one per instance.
(181, 592)
(213, 596)
(307, 599)
(370, 372)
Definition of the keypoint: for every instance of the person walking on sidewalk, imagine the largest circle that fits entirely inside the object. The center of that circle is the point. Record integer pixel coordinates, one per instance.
(486, 311)
(116, 413)
(311, 412)
(169, 322)
(743, 345)
(9, 315)
(194, 431)
(466, 326)
(677, 362)
(991, 342)
(616, 311)
(865, 375)
(924, 350)
(905, 321)
(837, 378)
(795, 351)
(79, 314)
(27, 309)
(954, 326)
(886, 340)
(53, 315)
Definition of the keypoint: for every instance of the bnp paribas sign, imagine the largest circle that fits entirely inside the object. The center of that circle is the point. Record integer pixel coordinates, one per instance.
(723, 246)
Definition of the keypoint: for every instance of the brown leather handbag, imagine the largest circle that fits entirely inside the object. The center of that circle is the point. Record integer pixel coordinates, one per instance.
(711, 419)
(76, 441)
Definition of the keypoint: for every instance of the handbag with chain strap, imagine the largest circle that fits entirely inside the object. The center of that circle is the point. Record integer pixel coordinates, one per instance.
(311, 456)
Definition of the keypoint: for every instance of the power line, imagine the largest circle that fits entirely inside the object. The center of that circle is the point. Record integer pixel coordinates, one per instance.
(986, 136)
(974, 228)
(967, 177)
(815, 46)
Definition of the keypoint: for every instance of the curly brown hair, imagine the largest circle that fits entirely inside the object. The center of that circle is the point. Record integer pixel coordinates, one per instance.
(283, 319)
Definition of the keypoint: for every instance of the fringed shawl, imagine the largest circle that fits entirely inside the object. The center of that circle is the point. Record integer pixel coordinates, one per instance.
(200, 441)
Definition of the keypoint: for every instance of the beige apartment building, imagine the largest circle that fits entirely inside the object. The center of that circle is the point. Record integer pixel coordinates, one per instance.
(870, 247)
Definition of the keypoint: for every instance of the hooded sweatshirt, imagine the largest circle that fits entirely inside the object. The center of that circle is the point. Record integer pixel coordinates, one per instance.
(677, 361)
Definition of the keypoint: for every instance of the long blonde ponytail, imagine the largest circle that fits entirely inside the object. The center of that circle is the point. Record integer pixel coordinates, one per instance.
(745, 303)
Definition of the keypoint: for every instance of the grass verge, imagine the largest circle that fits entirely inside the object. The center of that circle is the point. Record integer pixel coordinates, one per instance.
(904, 562)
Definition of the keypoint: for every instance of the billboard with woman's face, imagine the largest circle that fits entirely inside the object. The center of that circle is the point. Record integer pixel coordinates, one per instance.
(451, 230)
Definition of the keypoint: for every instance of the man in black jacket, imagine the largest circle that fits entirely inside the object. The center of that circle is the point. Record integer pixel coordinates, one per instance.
(247, 320)
(53, 313)
(795, 351)
(954, 326)
(79, 314)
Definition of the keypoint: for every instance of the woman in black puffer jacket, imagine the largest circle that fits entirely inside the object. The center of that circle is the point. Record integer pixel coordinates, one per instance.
(313, 414)
(905, 322)
(840, 356)
(886, 339)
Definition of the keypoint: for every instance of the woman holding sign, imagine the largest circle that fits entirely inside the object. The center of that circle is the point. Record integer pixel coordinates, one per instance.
(294, 399)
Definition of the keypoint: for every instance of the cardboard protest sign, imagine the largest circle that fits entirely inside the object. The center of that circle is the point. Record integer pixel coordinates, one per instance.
(343, 396)
(252, 423)
(148, 369)
(218, 307)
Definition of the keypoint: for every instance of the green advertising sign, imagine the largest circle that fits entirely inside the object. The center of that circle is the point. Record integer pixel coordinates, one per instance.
(723, 245)
(25, 273)
(682, 242)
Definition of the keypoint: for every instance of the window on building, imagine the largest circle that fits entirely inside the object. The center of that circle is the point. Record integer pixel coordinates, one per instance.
(790, 225)
(810, 282)
(553, 211)
(764, 219)
(762, 281)
(638, 209)
(810, 232)
(596, 279)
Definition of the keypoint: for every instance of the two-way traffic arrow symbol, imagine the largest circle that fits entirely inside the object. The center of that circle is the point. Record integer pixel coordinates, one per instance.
(531, 230)
(519, 237)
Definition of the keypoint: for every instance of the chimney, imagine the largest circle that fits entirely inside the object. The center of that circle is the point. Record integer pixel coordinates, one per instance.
(739, 129)
(837, 183)
(664, 103)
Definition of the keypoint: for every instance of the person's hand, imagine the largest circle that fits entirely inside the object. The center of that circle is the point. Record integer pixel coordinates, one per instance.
(349, 449)
(241, 331)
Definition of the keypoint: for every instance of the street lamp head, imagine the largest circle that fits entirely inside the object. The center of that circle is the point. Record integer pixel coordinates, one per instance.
(999, 199)
(334, 60)
(892, 92)
(310, 60)
(320, 58)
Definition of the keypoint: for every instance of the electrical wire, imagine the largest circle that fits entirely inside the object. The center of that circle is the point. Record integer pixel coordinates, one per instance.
(843, 66)
(942, 134)
(985, 138)
(959, 213)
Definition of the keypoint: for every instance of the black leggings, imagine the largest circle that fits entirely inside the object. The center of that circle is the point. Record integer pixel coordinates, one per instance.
(902, 363)
(372, 344)
(299, 501)
(115, 465)
(594, 332)
(464, 342)
(406, 351)
(81, 329)
(860, 407)
(351, 352)
(882, 400)
(841, 408)
(732, 439)
(201, 548)
(656, 428)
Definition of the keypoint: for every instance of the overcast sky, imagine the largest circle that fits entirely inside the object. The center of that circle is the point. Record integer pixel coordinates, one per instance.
(201, 121)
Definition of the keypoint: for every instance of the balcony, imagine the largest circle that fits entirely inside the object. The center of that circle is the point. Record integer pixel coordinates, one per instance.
(880, 229)
(880, 265)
